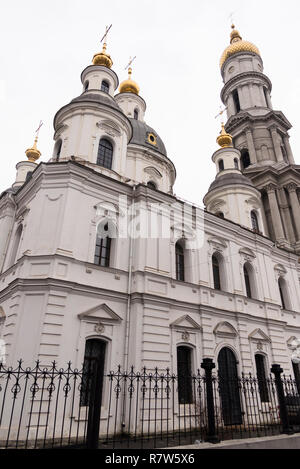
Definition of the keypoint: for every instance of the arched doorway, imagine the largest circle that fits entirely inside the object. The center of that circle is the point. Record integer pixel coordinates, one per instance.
(229, 388)
(94, 358)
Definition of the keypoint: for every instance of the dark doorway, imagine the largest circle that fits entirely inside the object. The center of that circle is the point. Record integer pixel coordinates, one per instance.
(184, 369)
(94, 357)
(261, 377)
(229, 388)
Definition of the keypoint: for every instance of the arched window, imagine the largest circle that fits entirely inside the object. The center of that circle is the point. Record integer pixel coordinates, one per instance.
(103, 245)
(221, 165)
(254, 221)
(28, 176)
(261, 377)
(247, 281)
(179, 261)
(216, 273)
(105, 86)
(184, 370)
(94, 359)
(229, 387)
(283, 293)
(86, 86)
(236, 163)
(57, 149)
(16, 245)
(105, 153)
(236, 100)
(152, 185)
(245, 158)
(136, 114)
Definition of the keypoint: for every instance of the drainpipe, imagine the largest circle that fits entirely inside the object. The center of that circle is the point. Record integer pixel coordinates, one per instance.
(127, 320)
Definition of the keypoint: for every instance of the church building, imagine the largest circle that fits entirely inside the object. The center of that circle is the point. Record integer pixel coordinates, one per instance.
(98, 257)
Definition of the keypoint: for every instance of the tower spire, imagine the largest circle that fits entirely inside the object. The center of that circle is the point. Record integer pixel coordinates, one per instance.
(129, 86)
(102, 58)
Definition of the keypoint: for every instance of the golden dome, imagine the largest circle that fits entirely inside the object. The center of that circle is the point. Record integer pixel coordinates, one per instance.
(224, 139)
(102, 58)
(237, 45)
(129, 86)
(33, 153)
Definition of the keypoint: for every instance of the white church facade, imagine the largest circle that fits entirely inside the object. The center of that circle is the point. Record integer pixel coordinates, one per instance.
(96, 249)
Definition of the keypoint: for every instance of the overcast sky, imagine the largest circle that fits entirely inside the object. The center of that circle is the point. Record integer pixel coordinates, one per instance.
(46, 44)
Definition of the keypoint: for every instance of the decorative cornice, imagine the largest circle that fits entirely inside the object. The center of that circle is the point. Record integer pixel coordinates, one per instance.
(245, 117)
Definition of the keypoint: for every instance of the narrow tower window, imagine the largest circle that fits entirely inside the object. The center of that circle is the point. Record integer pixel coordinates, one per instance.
(216, 273)
(105, 153)
(221, 165)
(136, 114)
(236, 100)
(245, 158)
(16, 245)
(103, 245)
(283, 293)
(57, 150)
(254, 221)
(105, 86)
(86, 86)
(236, 163)
(152, 185)
(247, 282)
(179, 262)
(266, 96)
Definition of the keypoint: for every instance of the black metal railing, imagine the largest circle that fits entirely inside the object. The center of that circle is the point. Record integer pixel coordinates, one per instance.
(49, 407)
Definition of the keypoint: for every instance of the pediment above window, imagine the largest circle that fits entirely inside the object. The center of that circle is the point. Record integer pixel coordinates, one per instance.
(258, 336)
(153, 172)
(109, 127)
(280, 270)
(225, 329)
(217, 205)
(248, 254)
(293, 343)
(184, 323)
(101, 312)
(217, 244)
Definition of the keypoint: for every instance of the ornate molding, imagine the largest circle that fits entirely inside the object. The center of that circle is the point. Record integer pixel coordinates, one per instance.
(291, 187)
(270, 188)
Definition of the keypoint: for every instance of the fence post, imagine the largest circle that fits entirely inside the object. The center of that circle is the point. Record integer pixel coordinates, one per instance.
(208, 366)
(277, 370)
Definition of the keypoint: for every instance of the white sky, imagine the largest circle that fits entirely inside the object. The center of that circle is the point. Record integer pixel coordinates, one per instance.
(46, 44)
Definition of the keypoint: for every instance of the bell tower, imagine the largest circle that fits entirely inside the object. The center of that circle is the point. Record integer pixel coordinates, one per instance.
(260, 133)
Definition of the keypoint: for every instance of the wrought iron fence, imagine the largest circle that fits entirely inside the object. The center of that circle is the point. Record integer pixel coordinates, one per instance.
(47, 407)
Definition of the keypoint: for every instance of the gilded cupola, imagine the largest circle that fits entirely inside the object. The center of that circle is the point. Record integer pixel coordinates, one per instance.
(33, 153)
(129, 86)
(237, 44)
(224, 139)
(102, 58)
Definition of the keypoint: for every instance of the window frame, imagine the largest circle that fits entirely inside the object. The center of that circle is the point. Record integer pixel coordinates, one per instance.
(179, 261)
(105, 86)
(105, 153)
